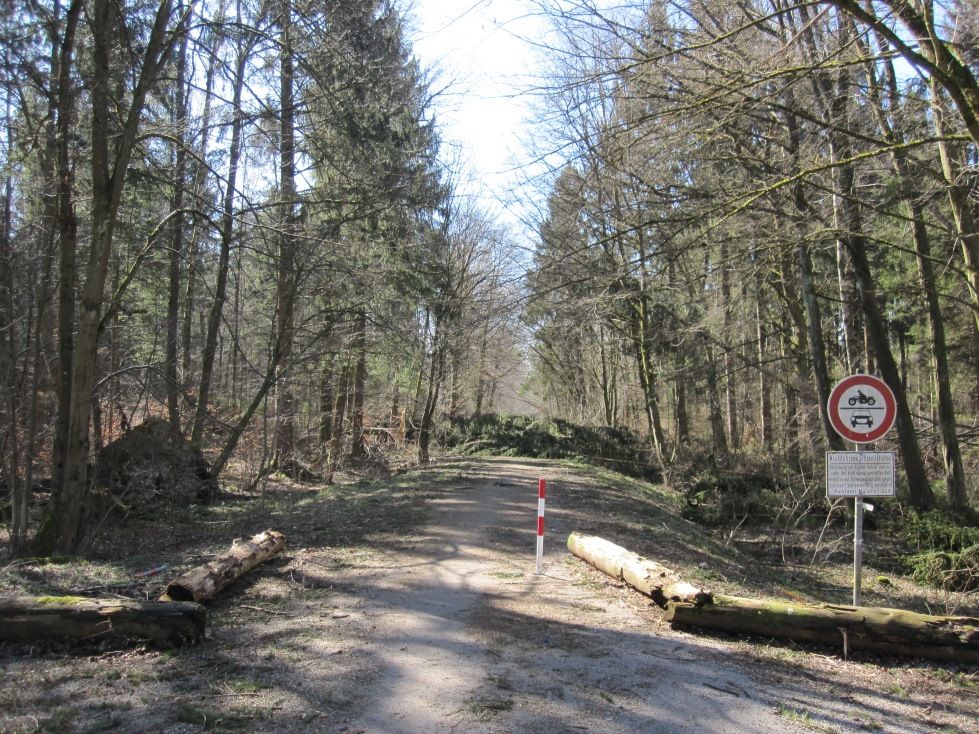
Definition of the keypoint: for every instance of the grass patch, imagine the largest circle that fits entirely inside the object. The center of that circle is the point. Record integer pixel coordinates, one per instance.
(484, 709)
(210, 719)
(501, 682)
(507, 574)
(803, 718)
(245, 686)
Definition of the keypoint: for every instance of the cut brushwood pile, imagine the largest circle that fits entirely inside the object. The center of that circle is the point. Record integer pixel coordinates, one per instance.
(80, 618)
(204, 582)
(875, 629)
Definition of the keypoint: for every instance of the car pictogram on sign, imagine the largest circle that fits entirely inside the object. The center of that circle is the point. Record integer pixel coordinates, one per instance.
(861, 408)
(862, 419)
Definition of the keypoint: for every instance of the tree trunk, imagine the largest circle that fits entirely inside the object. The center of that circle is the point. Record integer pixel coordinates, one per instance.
(432, 396)
(807, 283)
(481, 370)
(112, 150)
(224, 257)
(339, 413)
(10, 398)
(876, 629)
(730, 394)
(177, 239)
(327, 398)
(817, 346)
(67, 238)
(764, 385)
(951, 455)
(849, 222)
(26, 618)
(647, 377)
(648, 577)
(286, 281)
(200, 175)
(204, 582)
(360, 380)
(716, 414)
(417, 407)
(920, 490)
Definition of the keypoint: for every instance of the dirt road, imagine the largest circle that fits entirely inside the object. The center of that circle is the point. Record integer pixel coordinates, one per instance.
(469, 639)
(411, 607)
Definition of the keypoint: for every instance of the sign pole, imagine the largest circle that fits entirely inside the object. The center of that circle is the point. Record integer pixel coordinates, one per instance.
(857, 548)
(858, 544)
(861, 408)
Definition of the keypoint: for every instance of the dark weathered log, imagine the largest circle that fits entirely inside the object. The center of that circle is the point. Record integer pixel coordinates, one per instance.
(204, 582)
(876, 629)
(655, 581)
(79, 617)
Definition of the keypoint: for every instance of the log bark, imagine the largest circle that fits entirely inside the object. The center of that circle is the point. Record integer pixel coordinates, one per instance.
(875, 629)
(657, 582)
(204, 582)
(80, 618)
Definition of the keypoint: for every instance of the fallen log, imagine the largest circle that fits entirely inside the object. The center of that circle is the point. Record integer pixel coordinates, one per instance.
(657, 582)
(874, 629)
(77, 617)
(204, 582)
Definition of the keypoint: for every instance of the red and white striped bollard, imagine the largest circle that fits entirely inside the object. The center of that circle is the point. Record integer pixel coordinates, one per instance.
(541, 491)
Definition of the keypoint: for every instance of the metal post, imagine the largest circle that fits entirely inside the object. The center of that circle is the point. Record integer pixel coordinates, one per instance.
(858, 542)
(857, 548)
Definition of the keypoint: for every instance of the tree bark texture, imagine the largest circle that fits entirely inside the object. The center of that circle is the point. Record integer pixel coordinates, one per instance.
(177, 240)
(359, 385)
(285, 407)
(874, 629)
(80, 618)
(204, 582)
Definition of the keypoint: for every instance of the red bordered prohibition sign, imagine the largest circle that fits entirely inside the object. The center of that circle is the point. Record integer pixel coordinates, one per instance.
(861, 408)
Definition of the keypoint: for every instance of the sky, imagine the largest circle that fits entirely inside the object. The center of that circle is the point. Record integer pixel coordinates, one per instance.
(483, 56)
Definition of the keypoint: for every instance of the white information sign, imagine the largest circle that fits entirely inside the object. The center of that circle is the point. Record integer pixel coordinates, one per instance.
(861, 473)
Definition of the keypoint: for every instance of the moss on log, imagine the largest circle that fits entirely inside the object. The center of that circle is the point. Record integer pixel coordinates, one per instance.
(204, 582)
(874, 629)
(657, 582)
(24, 618)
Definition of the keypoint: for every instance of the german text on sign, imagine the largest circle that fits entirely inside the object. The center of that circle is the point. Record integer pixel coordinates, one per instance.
(861, 473)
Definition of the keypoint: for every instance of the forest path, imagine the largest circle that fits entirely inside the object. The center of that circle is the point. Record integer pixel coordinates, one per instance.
(410, 606)
(468, 638)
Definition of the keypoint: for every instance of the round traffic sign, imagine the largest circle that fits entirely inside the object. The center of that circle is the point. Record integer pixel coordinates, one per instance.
(861, 408)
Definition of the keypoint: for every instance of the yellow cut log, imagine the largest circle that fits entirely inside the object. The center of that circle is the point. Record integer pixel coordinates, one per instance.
(657, 582)
(25, 618)
(875, 629)
(204, 582)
